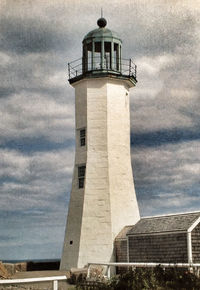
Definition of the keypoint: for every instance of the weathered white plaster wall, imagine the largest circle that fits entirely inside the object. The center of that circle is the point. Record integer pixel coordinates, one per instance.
(124, 207)
(75, 209)
(96, 239)
(108, 201)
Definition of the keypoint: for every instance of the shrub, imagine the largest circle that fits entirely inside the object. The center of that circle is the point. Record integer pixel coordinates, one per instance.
(150, 279)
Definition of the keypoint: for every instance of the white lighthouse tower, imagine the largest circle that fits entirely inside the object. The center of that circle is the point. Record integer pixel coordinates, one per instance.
(103, 197)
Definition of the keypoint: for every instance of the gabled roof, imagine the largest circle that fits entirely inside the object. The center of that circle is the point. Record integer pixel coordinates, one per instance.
(167, 223)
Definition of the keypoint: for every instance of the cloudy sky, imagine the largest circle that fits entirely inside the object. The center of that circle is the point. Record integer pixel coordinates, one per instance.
(38, 39)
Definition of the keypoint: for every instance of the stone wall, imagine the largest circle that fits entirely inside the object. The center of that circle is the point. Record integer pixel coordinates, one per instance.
(196, 244)
(166, 248)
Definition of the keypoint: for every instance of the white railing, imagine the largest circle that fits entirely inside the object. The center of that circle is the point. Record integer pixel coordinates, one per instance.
(134, 265)
(54, 279)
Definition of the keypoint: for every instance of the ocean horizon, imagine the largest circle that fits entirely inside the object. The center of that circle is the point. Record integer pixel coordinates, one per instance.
(30, 260)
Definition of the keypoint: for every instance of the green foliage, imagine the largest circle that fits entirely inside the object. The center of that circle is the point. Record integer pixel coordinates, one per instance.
(72, 279)
(137, 279)
(149, 279)
(76, 279)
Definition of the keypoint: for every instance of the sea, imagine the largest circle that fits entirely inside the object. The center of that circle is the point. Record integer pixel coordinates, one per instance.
(31, 260)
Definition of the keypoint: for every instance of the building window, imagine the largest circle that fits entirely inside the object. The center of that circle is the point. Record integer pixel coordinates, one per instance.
(81, 176)
(82, 137)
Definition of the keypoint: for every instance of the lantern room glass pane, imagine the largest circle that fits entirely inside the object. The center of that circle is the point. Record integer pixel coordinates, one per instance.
(89, 56)
(116, 57)
(107, 55)
(85, 61)
(97, 55)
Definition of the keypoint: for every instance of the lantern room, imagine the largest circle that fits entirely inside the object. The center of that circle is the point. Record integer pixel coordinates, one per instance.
(102, 49)
(102, 57)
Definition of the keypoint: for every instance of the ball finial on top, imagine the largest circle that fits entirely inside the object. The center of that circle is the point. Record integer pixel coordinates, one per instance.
(101, 22)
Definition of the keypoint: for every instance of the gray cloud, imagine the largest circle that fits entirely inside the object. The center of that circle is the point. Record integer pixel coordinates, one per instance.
(161, 32)
(31, 115)
(30, 36)
(167, 178)
(32, 180)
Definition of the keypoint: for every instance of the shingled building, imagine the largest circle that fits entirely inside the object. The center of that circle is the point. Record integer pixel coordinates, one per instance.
(161, 239)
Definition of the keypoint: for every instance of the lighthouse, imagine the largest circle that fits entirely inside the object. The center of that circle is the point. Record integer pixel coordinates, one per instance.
(103, 198)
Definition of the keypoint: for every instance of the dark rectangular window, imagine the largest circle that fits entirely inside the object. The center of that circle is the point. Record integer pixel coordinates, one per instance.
(82, 137)
(81, 176)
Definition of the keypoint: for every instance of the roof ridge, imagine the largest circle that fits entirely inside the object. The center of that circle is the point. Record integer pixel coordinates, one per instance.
(171, 214)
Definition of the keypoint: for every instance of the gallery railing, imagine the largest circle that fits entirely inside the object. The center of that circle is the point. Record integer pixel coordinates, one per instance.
(94, 65)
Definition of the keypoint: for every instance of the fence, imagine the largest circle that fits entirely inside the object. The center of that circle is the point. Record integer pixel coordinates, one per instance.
(77, 67)
(54, 279)
(133, 265)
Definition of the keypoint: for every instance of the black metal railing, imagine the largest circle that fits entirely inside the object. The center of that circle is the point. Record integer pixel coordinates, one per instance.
(79, 67)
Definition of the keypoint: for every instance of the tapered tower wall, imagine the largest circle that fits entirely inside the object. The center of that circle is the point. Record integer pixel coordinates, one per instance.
(124, 207)
(96, 239)
(107, 203)
(75, 210)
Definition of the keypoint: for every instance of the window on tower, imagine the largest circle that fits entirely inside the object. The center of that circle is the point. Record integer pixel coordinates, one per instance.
(82, 134)
(81, 176)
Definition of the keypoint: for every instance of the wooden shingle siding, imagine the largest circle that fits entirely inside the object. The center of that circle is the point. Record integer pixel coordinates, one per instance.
(161, 239)
(196, 244)
(121, 254)
(170, 248)
(121, 250)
